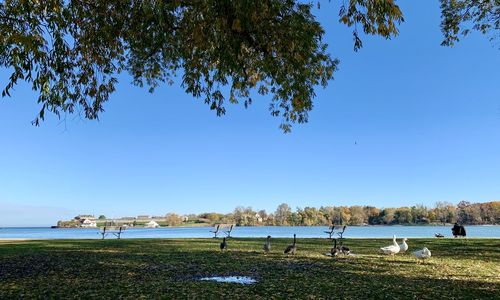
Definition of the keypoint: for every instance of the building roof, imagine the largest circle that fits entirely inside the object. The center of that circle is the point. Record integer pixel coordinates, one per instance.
(79, 217)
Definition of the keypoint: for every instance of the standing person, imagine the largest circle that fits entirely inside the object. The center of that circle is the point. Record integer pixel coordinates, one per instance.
(455, 230)
(458, 230)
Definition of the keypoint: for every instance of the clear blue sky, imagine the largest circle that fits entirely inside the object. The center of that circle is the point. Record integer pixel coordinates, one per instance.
(426, 120)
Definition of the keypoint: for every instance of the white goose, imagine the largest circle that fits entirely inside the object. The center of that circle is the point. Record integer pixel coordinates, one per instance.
(392, 249)
(403, 246)
(422, 254)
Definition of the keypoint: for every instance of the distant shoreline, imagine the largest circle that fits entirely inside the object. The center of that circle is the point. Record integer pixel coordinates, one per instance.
(212, 225)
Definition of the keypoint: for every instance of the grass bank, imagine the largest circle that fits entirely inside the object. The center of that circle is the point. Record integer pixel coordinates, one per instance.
(170, 268)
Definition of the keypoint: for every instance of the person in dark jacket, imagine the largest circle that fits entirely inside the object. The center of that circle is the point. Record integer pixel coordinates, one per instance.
(458, 230)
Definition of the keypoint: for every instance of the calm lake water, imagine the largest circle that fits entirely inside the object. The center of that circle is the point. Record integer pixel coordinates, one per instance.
(263, 231)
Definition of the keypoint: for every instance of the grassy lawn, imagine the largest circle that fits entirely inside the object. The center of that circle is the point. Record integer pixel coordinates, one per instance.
(170, 268)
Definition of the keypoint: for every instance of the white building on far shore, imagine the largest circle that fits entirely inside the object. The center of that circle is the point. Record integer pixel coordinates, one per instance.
(152, 224)
(88, 223)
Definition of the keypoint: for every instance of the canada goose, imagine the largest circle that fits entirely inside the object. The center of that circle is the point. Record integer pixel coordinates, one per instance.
(403, 246)
(345, 250)
(267, 244)
(392, 249)
(335, 250)
(439, 235)
(291, 249)
(223, 245)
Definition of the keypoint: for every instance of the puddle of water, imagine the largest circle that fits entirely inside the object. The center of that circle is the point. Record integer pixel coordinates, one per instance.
(231, 279)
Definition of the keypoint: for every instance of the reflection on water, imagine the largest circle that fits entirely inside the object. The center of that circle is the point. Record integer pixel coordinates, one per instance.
(258, 231)
(231, 279)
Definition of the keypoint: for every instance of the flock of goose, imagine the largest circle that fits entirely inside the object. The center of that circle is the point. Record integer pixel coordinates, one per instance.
(396, 248)
(393, 249)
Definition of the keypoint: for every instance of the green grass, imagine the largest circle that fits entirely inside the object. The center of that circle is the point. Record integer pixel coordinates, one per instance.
(170, 268)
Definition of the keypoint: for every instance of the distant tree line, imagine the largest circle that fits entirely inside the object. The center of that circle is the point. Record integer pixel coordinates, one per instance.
(465, 213)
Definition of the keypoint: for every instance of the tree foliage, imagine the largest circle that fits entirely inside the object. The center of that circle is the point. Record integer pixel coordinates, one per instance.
(465, 213)
(173, 219)
(374, 17)
(283, 214)
(460, 17)
(71, 52)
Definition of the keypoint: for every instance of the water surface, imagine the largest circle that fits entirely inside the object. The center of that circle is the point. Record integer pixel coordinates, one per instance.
(260, 231)
(231, 279)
